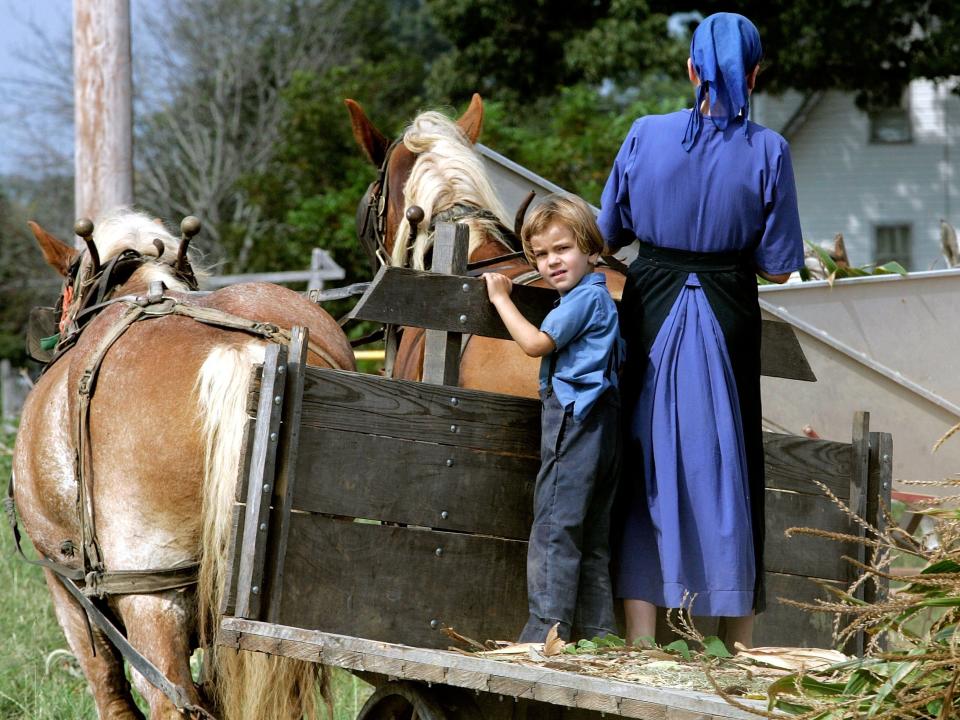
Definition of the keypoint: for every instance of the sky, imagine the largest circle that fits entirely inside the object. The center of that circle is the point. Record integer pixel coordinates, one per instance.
(18, 45)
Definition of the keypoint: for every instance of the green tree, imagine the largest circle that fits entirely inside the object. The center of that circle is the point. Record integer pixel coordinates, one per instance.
(312, 186)
(520, 52)
(225, 66)
(25, 279)
(572, 137)
(870, 47)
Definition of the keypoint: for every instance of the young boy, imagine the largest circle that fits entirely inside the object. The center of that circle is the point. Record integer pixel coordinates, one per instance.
(568, 558)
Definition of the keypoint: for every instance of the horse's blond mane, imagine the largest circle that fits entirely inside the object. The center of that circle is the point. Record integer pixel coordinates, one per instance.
(126, 229)
(447, 171)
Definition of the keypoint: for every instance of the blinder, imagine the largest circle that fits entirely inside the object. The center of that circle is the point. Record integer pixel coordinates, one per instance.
(372, 215)
(48, 337)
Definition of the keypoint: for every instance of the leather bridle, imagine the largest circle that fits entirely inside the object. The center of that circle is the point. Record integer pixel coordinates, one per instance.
(372, 215)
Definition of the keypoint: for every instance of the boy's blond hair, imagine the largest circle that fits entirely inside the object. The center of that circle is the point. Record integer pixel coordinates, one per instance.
(572, 212)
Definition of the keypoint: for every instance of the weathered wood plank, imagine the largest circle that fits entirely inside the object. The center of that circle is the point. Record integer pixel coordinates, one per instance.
(402, 296)
(444, 487)
(859, 482)
(783, 624)
(401, 584)
(879, 485)
(793, 463)
(229, 602)
(417, 411)
(781, 354)
(441, 354)
(288, 446)
(474, 673)
(260, 484)
(470, 491)
(243, 471)
(386, 582)
(805, 554)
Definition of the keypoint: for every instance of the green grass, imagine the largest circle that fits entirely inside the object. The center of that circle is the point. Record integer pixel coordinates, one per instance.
(31, 688)
(349, 694)
(39, 677)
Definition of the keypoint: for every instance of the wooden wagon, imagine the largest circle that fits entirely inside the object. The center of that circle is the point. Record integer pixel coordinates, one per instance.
(372, 512)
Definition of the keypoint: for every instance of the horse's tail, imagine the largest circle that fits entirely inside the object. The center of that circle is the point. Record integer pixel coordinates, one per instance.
(245, 684)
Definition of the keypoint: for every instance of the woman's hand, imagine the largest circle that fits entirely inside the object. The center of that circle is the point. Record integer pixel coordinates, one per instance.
(498, 286)
(778, 279)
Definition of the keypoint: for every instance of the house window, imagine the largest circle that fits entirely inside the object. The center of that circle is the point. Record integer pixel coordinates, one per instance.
(894, 242)
(891, 124)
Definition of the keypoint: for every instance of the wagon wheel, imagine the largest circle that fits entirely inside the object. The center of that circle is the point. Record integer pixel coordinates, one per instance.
(402, 701)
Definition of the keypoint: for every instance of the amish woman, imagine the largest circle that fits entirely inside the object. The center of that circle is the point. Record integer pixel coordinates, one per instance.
(711, 198)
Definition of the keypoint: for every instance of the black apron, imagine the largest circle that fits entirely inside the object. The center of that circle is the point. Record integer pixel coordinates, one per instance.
(729, 282)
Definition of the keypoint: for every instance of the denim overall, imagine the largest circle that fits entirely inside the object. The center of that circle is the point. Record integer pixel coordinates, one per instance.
(568, 557)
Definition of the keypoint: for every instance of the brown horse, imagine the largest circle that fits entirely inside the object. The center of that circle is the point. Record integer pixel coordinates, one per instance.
(165, 429)
(435, 167)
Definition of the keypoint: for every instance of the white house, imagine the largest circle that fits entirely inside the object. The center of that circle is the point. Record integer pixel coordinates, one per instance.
(883, 180)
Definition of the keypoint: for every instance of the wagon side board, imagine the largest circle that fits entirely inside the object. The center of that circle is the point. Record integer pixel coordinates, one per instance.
(401, 508)
(408, 506)
(455, 303)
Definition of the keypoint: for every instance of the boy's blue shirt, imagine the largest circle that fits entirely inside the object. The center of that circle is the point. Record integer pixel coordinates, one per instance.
(589, 350)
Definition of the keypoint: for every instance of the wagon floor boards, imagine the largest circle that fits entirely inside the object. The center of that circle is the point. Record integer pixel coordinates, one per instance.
(557, 687)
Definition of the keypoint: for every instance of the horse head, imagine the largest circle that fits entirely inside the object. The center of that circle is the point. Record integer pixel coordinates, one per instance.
(434, 166)
(128, 250)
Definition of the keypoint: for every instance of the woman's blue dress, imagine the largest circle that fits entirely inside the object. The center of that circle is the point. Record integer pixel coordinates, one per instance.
(693, 529)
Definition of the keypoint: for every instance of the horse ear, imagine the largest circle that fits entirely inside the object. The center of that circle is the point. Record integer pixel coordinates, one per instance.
(471, 122)
(372, 141)
(57, 253)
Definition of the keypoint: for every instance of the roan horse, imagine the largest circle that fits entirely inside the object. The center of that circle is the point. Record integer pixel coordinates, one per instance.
(434, 166)
(163, 444)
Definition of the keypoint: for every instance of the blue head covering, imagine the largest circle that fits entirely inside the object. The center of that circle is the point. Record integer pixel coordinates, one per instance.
(725, 49)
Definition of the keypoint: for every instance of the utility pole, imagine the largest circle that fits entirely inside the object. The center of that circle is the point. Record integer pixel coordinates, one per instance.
(103, 106)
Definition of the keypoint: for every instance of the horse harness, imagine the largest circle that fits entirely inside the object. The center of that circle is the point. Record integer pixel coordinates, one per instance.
(372, 216)
(92, 579)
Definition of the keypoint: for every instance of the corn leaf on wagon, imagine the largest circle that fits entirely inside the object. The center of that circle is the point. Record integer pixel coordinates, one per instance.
(372, 512)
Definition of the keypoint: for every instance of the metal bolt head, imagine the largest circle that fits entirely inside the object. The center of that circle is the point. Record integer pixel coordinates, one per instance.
(454, 401)
(434, 624)
(281, 370)
(444, 515)
(453, 428)
(277, 400)
(255, 589)
(273, 437)
(465, 287)
(463, 319)
(449, 462)
(263, 527)
(266, 488)
(438, 552)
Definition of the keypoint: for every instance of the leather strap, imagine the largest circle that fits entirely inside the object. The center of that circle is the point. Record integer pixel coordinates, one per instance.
(10, 509)
(176, 694)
